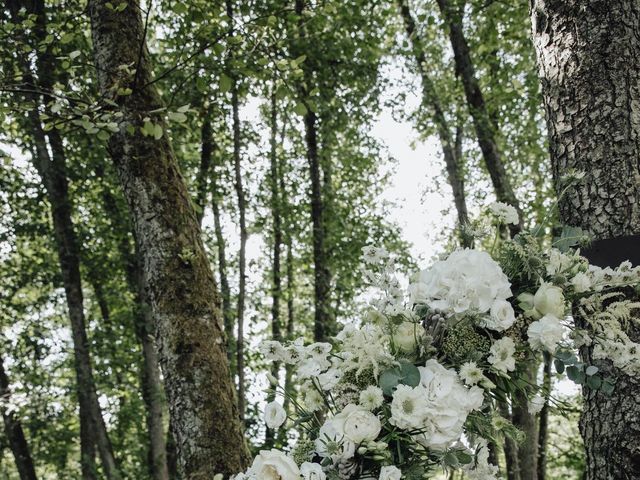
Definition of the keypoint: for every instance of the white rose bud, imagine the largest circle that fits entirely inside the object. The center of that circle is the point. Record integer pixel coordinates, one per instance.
(549, 300)
(407, 336)
(274, 415)
(390, 472)
(360, 425)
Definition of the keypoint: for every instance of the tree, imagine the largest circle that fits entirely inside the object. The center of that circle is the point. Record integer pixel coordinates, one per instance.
(182, 292)
(15, 433)
(589, 65)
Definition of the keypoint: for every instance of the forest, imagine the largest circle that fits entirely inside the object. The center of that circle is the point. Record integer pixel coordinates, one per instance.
(320, 239)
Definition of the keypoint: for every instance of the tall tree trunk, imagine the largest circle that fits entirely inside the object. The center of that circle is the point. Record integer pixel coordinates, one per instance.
(589, 66)
(510, 447)
(242, 207)
(452, 155)
(543, 429)
(150, 381)
(478, 109)
(202, 180)
(276, 219)
(324, 323)
(180, 285)
(15, 434)
(527, 450)
(52, 169)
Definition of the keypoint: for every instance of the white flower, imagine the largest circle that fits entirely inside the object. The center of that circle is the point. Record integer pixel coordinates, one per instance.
(390, 472)
(274, 415)
(501, 316)
(273, 350)
(535, 405)
(408, 336)
(312, 399)
(408, 407)
(466, 280)
(549, 300)
(545, 333)
(502, 355)
(274, 465)
(371, 397)
(581, 282)
(312, 471)
(470, 373)
(505, 213)
(357, 424)
(332, 442)
(374, 255)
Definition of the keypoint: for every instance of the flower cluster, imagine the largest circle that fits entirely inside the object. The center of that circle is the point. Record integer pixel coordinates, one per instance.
(412, 388)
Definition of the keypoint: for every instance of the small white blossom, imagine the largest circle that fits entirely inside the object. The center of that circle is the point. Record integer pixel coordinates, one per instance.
(390, 472)
(504, 213)
(371, 397)
(274, 415)
(535, 404)
(502, 352)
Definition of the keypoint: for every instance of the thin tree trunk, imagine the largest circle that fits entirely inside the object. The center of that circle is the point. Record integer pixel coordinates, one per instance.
(543, 430)
(242, 207)
(452, 155)
(510, 448)
(180, 285)
(202, 180)
(477, 107)
(15, 434)
(276, 219)
(589, 66)
(150, 381)
(324, 324)
(52, 170)
(527, 450)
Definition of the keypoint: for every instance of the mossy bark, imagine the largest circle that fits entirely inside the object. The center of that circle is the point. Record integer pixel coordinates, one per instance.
(180, 285)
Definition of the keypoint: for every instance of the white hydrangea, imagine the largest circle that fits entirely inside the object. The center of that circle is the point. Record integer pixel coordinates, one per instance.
(504, 213)
(466, 280)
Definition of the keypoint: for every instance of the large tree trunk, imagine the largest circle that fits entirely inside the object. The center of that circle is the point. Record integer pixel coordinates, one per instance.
(589, 65)
(178, 277)
(324, 323)
(477, 107)
(15, 434)
(452, 156)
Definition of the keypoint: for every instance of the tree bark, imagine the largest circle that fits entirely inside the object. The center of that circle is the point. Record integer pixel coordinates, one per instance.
(324, 323)
(589, 66)
(202, 180)
(180, 285)
(527, 450)
(242, 207)
(478, 109)
(510, 447)
(15, 434)
(452, 155)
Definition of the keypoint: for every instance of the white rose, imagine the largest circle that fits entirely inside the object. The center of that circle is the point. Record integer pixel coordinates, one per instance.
(390, 472)
(407, 336)
(581, 282)
(501, 316)
(545, 333)
(274, 465)
(549, 300)
(358, 424)
(312, 471)
(274, 415)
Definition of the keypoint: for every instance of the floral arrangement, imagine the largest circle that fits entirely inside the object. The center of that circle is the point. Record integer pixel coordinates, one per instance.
(414, 387)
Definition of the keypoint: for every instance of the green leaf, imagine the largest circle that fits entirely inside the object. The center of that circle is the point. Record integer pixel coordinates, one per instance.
(570, 237)
(300, 109)
(592, 370)
(607, 387)
(67, 38)
(559, 365)
(225, 83)
(178, 117)
(157, 131)
(179, 8)
(594, 382)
